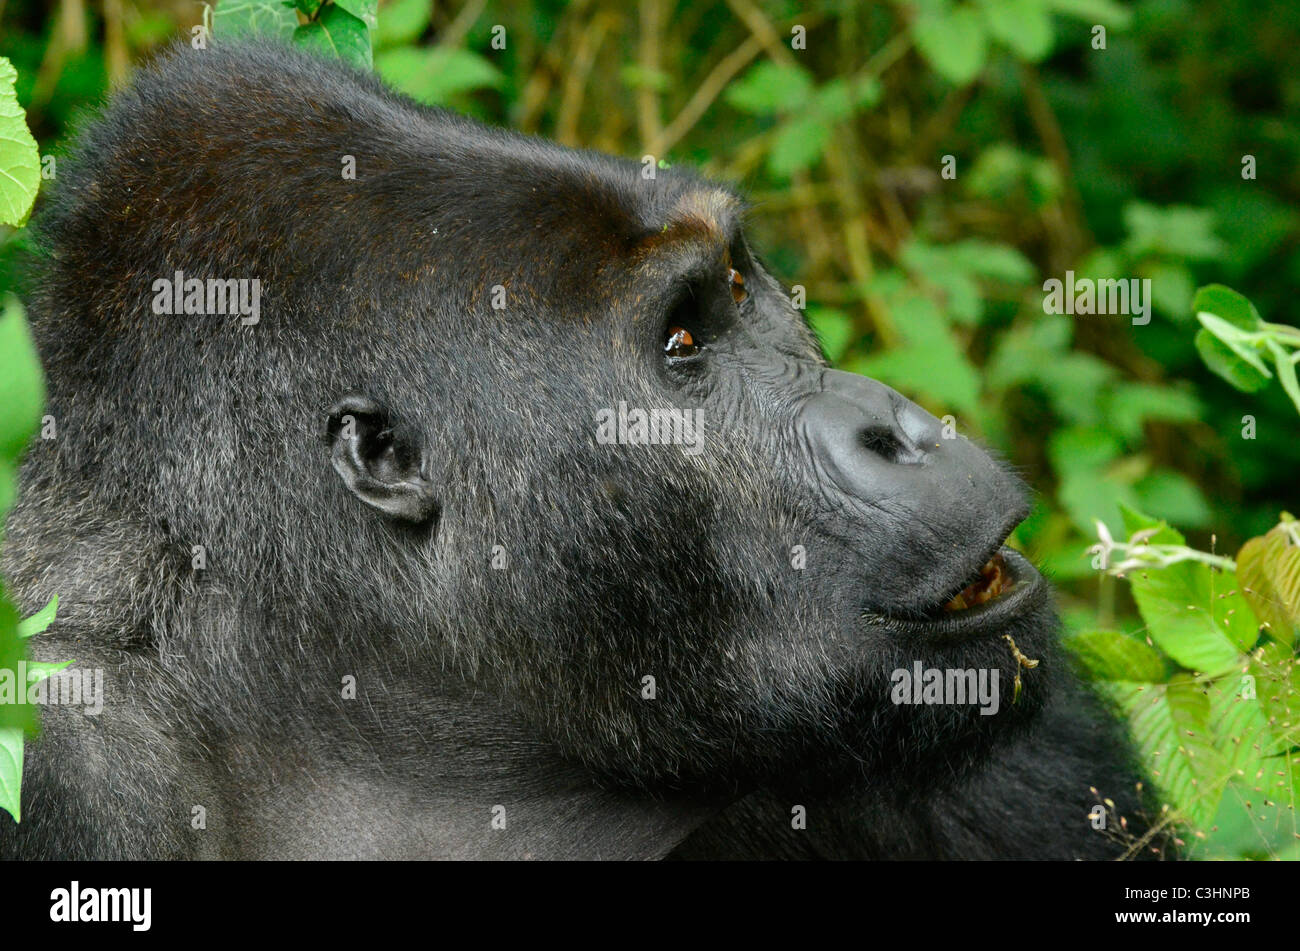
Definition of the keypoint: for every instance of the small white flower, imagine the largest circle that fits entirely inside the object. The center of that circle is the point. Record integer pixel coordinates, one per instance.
(1104, 534)
(1142, 537)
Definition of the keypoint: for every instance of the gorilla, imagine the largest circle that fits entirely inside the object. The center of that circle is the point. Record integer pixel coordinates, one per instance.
(422, 489)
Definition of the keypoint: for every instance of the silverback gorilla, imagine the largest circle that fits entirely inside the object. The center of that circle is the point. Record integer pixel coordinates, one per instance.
(390, 563)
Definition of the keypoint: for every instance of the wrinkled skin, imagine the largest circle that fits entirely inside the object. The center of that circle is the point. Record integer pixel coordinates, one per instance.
(399, 485)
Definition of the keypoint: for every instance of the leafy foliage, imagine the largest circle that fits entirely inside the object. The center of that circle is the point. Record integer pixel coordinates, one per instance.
(19, 163)
(1236, 344)
(22, 394)
(11, 737)
(1212, 695)
(21, 386)
(339, 29)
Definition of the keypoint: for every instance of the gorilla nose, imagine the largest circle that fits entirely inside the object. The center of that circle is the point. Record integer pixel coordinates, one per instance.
(856, 425)
(876, 446)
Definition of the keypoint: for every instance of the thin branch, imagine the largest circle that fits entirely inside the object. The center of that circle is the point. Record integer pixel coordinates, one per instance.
(649, 121)
(708, 91)
(575, 83)
(459, 28)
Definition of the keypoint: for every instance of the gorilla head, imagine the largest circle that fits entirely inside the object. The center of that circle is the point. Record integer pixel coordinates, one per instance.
(527, 422)
(681, 489)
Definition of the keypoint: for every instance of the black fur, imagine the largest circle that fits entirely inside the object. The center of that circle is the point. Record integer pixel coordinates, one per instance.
(334, 551)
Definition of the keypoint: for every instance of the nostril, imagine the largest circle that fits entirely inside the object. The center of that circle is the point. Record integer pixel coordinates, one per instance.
(882, 441)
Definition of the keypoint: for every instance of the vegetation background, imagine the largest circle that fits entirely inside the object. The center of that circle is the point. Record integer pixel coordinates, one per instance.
(920, 168)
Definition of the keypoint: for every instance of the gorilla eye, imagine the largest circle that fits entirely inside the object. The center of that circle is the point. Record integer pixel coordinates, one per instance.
(736, 280)
(680, 343)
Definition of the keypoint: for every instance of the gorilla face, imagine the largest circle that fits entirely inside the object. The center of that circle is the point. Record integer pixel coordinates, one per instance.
(701, 553)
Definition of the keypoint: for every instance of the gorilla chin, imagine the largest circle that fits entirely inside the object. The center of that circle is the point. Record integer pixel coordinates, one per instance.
(999, 629)
(935, 697)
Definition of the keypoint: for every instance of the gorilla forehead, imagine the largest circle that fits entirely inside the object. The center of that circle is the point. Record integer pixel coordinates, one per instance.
(436, 199)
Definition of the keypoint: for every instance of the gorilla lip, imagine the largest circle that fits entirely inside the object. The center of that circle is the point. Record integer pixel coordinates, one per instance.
(994, 578)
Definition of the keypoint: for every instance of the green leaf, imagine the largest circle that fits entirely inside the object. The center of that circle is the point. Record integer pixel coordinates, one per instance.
(1175, 230)
(841, 98)
(1193, 613)
(935, 265)
(254, 18)
(1021, 355)
(1238, 340)
(1286, 374)
(636, 76)
(1082, 449)
(798, 145)
(11, 771)
(435, 75)
(39, 621)
(367, 11)
(336, 34)
(1023, 26)
(22, 387)
(1172, 288)
(20, 160)
(1225, 362)
(1003, 172)
(1170, 724)
(930, 361)
(1244, 728)
(1173, 497)
(1277, 679)
(834, 329)
(16, 716)
(1268, 568)
(999, 262)
(768, 88)
(22, 394)
(1256, 817)
(403, 23)
(953, 42)
(1131, 404)
(953, 269)
(1112, 655)
(1073, 383)
(1227, 304)
(1136, 521)
(11, 737)
(1088, 494)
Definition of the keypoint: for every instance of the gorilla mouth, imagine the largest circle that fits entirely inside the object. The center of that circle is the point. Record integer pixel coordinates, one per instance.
(1005, 587)
(994, 578)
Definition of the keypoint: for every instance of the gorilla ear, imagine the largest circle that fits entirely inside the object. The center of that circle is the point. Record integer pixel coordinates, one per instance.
(378, 464)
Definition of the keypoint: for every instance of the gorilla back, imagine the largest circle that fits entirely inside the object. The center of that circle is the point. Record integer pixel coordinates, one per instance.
(424, 489)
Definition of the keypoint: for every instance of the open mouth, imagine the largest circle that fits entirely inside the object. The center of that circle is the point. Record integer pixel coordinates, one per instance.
(1005, 587)
(994, 578)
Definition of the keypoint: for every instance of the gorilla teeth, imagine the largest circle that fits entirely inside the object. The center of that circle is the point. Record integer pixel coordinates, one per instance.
(993, 580)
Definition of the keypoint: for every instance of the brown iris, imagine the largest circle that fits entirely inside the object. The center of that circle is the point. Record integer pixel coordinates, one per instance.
(737, 282)
(680, 343)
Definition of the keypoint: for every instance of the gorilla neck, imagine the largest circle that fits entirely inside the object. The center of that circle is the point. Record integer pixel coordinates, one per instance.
(404, 772)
